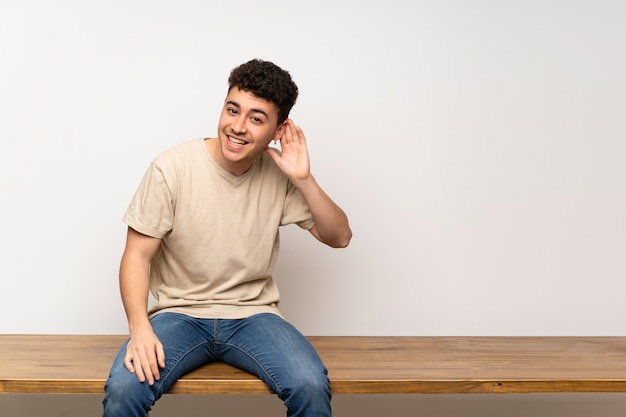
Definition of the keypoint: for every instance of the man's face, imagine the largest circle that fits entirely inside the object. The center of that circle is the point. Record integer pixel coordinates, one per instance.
(247, 126)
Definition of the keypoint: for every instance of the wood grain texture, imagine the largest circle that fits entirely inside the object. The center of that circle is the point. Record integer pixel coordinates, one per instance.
(78, 364)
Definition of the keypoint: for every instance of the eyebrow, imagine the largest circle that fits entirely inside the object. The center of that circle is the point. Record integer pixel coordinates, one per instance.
(235, 104)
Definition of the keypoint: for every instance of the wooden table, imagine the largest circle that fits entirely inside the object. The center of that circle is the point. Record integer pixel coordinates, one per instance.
(79, 364)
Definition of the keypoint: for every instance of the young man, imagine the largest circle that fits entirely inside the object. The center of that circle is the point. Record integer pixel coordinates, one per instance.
(203, 238)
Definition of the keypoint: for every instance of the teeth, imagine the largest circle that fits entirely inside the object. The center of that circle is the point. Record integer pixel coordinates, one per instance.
(237, 141)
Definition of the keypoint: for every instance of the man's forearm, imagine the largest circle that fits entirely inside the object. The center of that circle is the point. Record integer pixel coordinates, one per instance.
(134, 287)
(331, 223)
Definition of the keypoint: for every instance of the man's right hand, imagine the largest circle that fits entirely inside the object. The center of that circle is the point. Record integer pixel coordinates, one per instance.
(145, 355)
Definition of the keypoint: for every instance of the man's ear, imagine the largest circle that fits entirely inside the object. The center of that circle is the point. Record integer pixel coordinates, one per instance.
(280, 130)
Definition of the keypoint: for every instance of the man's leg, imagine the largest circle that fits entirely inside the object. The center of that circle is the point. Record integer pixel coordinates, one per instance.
(268, 346)
(187, 343)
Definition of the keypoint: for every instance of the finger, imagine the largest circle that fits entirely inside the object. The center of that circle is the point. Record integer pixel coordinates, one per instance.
(128, 363)
(288, 135)
(161, 356)
(144, 370)
(299, 135)
(141, 376)
(153, 363)
(296, 133)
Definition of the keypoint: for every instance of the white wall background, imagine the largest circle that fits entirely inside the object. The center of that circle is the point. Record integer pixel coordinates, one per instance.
(478, 148)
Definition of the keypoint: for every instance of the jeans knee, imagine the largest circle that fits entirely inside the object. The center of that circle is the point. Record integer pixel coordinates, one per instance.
(314, 383)
(308, 395)
(126, 396)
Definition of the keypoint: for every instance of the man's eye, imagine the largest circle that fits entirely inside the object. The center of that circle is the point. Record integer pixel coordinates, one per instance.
(257, 120)
(232, 111)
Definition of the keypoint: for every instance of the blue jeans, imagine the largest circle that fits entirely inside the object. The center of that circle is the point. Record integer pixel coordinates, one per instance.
(264, 345)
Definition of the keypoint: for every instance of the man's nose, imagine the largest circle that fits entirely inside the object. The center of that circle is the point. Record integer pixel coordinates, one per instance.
(239, 124)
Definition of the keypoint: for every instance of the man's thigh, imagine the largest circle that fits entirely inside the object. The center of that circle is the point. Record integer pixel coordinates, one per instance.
(273, 349)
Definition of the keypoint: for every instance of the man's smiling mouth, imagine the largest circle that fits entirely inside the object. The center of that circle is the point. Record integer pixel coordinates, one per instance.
(236, 141)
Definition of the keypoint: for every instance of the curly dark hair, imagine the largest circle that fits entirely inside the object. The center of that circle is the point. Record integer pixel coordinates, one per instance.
(266, 80)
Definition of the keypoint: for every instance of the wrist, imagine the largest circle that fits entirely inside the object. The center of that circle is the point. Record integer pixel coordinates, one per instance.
(303, 182)
(138, 323)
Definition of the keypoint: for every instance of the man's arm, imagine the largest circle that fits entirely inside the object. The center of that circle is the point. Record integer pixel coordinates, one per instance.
(331, 223)
(144, 353)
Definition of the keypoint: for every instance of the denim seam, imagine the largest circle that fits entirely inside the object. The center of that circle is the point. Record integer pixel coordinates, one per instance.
(173, 367)
(265, 370)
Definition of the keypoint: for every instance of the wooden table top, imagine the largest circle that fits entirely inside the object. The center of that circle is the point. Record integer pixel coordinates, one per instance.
(356, 364)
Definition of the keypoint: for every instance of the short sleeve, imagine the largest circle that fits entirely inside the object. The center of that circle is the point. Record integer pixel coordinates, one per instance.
(296, 209)
(151, 210)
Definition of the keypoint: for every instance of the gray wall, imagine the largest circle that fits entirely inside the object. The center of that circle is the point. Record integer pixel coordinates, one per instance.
(477, 147)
